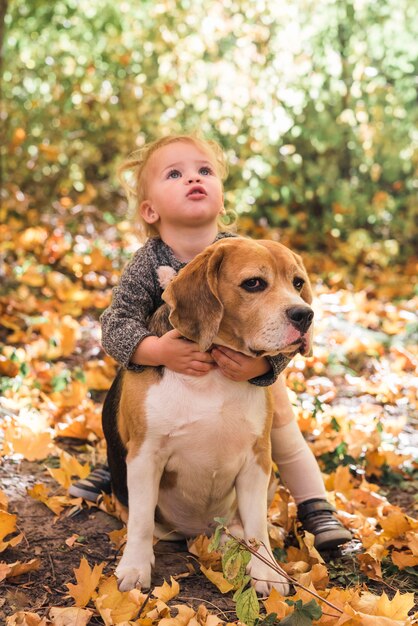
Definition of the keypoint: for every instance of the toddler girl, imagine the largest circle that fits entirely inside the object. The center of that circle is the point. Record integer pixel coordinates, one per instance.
(179, 199)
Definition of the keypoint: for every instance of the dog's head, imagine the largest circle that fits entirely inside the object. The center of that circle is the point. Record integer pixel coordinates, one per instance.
(251, 296)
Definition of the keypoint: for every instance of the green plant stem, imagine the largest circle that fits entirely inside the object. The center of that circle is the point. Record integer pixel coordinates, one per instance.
(279, 570)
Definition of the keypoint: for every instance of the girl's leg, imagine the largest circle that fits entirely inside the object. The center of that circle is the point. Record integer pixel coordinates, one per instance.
(300, 473)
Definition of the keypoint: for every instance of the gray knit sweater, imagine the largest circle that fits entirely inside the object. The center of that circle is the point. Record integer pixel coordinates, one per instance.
(138, 296)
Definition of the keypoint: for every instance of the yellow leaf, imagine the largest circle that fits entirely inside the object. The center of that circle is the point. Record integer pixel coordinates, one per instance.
(118, 537)
(200, 548)
(396, 524)
(70, 616)
(7, 527)
(55, 503)
(11, 570)
(69, 469)
(217, 579)
(183, 617)
(318, 577)
(117, 606)
(87, 581)
(275, 603)
(404, 559)
(33, 444)
(4, 502)
(165, 592)
(370, 561)
(25, 618)
(397, 608)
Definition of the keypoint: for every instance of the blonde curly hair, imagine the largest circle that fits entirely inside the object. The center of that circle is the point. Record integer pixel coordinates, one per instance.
(135, 183)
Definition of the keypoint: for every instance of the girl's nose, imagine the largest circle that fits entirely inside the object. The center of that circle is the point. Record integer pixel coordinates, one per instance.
(194, 179)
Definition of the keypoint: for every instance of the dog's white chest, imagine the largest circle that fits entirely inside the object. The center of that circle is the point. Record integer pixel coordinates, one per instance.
(206, 404)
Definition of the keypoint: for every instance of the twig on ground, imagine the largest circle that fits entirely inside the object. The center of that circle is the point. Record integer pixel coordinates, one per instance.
(52, 567)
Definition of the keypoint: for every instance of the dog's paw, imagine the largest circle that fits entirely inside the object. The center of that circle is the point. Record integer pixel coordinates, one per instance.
(266, 581)
(133, 577)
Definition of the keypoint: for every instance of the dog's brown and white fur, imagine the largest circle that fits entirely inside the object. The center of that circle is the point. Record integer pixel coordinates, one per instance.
(199, 447)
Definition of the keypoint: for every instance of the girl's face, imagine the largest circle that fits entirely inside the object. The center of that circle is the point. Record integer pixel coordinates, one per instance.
(183, 188)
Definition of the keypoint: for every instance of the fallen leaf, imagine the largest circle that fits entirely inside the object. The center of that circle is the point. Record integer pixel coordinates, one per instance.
(200, 548)
(275, 603)
(11, 570)
(8, 527)
(404, 559)
(70, 616)
(183, 617)
(87, 581)
(25, 618)
(167, 592)
(70, 469)
(55, 503)
(217, 579)
(117, 606)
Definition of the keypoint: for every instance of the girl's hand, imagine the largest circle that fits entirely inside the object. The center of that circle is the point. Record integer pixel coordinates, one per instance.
(182, 356)
(238, 366)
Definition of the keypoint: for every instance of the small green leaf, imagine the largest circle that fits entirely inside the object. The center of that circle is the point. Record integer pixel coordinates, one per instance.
(216, 539)
(303, 614)
(247, 607)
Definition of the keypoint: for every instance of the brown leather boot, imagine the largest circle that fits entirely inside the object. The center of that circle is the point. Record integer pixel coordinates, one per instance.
(318, 517)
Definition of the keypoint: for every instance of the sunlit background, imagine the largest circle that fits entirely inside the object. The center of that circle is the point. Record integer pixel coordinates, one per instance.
(313, 101)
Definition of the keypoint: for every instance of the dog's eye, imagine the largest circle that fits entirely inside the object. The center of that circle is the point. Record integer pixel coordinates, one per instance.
(254, 284)
(298, 283)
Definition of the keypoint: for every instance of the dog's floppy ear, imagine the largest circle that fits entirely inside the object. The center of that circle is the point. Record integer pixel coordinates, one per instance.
(192, 296)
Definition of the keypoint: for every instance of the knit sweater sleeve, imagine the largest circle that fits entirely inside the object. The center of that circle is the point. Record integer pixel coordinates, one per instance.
(278, 364)
(136, 297)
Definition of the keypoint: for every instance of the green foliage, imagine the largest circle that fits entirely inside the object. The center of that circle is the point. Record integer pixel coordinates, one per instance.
(247, 607)
(303, 613)
(313, 102)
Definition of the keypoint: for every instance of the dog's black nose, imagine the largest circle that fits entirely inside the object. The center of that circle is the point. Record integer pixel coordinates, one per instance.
(301, 317)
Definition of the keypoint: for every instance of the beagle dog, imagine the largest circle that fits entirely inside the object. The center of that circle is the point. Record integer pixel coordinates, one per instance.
(188, 449)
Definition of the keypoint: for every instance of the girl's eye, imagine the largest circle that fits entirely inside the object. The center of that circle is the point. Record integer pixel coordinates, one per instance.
(173, 174)
(205, 171)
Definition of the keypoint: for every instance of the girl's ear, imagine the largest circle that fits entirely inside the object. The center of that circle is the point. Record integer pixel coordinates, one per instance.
(147, 212)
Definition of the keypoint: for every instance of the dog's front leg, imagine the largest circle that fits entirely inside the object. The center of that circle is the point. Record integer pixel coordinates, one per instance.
(252, 486)
(144, 470)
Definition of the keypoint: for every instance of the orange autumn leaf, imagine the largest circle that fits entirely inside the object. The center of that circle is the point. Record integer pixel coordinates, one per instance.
(397, 608)
(397, 523)
(11, 570)
(26, 618)
(55, 503)
(4, 501)
(275, 603)
(69, 469)
(87, 581)
(118, 537)
(200, 548)
(370, 561)
(7, 528)
(33, 441)
(184, 615)
(217, 579)
(117, 606)
(167, 592)
(404, 559)
(70, 616)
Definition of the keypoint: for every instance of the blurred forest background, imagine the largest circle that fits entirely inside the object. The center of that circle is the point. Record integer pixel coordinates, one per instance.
(314, 103)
